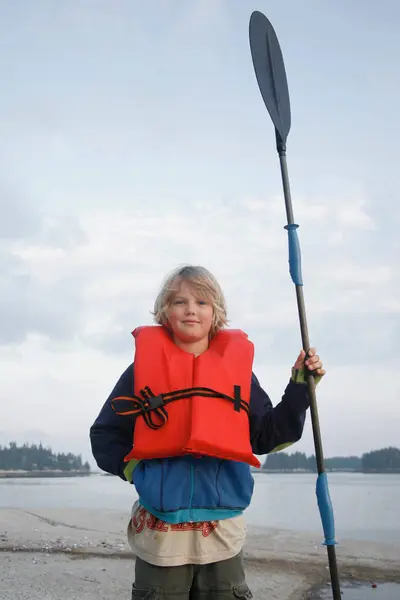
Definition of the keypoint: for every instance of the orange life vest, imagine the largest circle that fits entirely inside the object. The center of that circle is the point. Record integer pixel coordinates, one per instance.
(190, 405)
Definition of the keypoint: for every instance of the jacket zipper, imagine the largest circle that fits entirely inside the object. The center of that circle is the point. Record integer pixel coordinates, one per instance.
(162, 487)
(191, 491)
(192, 471)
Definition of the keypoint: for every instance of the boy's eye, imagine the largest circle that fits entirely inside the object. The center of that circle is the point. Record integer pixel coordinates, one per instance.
(180, 301)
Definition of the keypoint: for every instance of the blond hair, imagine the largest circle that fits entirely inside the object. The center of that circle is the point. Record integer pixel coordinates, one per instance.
(204, 284)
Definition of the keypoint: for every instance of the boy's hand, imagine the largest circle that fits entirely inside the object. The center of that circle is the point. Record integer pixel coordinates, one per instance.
(313, 362)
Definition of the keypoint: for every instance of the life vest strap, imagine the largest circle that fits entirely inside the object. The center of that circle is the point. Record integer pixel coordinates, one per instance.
(150, 406)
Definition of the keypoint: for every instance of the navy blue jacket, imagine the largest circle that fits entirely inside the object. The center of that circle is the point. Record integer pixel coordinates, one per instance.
(190, 488)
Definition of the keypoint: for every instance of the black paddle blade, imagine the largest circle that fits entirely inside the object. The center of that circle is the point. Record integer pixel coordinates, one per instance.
(271, 75)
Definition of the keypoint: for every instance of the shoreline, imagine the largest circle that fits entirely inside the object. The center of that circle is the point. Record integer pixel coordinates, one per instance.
(328, 471)
(20, 474)
(71, 548)
(42, 474)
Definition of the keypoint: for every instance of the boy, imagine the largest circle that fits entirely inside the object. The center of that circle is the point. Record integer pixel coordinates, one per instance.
(189, 456)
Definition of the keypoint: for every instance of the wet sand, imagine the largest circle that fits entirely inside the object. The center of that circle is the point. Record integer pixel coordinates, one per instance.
(59, 554)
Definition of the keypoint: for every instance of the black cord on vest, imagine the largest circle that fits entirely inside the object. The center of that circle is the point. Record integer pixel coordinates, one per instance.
(150, 406)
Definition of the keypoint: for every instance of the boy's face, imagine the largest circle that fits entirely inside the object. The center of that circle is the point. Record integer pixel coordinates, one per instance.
(189, 316)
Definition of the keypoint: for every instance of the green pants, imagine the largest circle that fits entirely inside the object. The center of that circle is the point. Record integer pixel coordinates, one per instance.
(223, 580)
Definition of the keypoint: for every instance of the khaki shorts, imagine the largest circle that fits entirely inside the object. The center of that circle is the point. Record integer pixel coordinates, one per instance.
(223, 580)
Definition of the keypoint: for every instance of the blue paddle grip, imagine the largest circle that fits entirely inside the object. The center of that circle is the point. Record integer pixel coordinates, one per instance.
(294, 255)
(326, 510)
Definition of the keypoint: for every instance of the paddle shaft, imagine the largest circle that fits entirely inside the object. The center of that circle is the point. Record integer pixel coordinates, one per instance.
(310, 379)
(303, 323)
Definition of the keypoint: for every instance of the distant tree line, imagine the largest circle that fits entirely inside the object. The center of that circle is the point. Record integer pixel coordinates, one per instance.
(37, 458)
(387, 460)
(378, 461)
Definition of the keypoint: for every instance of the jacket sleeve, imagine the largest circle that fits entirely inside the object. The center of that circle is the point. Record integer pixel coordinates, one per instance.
(111, 435)
(274, 428)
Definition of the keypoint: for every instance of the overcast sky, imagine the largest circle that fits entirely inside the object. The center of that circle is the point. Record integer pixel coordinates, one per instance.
(134, 138)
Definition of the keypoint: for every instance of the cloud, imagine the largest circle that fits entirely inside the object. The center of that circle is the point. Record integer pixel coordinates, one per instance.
(354, 215)
(29, 305)
(30, 301)
(18, 219)
(103, 279)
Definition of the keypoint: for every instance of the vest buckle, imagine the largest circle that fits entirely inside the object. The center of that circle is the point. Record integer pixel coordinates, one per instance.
(152, 403)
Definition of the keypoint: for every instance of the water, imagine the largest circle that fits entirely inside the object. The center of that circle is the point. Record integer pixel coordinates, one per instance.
(361, 591)
(366, 506)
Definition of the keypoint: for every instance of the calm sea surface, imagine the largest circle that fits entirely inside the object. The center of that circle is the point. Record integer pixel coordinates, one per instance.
(366, 506)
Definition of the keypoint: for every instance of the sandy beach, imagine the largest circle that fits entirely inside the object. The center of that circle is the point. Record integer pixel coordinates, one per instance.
(59, 554)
